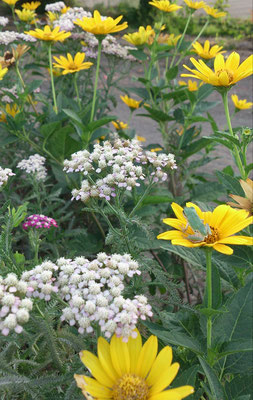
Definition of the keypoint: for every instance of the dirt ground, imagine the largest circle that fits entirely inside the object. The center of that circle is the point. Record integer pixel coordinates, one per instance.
(148, 128)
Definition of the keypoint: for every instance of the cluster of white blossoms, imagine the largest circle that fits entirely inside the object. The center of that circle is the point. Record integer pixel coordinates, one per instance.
(55, 7)
(5, 173)
(34, 165)
(8, 37)
(14, 304)
(114, 166)
(4, 93)
(66, 20)
(4, 21)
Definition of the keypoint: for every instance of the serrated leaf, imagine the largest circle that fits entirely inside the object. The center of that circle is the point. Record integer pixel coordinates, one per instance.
(230, 183)
(214, 383)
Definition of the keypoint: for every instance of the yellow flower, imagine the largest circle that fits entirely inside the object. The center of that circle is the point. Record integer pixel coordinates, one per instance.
(225, 73)
(244, 203)
(206, 51)
(119, 125)
(130, 371)
(49, 35)
(141, 138)
(7, 60)
(11, 110)
(131, 103)
(31, 6)
(141, 37)
(3, 71)
(25, 15)
(192, 86)
(155, 149)
(241, 104)
(214, 12)
(195, 5)
(65, 9)
(99, 26)
(10, 2)
(71, 65)
(56, 71)
(51, 16)
(221, 225)
(164, 5)
(172, 39)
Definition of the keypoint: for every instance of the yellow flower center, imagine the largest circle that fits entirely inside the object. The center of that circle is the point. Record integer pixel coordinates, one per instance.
(130, 387)
(72, 66)
(229, 74)
(212, 237)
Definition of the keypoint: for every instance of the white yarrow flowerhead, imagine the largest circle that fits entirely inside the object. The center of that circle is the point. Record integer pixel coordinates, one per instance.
(34, 165)
(4, 21)
(55, 7)
(5, 173)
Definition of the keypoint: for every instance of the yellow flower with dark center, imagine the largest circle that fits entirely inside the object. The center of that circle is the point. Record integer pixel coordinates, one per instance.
(119, 125)
(11, 110)
(3, 71)
(99, 26)
(71, 65)
(131, 103)
(172, 39)
(165, 5)
(49, 35)
(226, 72)
(221, 225)
(241, 104)
(214, 12)
(128, 371)
(246, 203)
(10, 2)
(192, 86)
(31, 6)
(51, 16)
(7, 60)
(195, 5)
(25, 15)
(206, 51)
(141, 37)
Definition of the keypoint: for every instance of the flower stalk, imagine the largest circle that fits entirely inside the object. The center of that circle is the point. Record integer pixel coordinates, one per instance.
(181, 40)
(96, 79)
(209, 298)
(77, 91)
(52, 77)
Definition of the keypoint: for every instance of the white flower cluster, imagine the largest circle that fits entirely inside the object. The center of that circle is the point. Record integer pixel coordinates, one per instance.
(4, 21)
(4, 175)
(4, 93)
(34, 165)
(55, 7)
(121, 165)
(8, 37)
(14, 304)
(66, 21)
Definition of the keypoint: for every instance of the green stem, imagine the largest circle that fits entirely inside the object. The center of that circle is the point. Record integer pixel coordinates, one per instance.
(235, 149)
(141, 199)
(209, 297)
(52, 77)
(180, 41)
(24, 87)
(96, 80)
(77, 91)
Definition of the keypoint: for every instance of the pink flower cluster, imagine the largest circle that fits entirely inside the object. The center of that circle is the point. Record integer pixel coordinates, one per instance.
(39, 221)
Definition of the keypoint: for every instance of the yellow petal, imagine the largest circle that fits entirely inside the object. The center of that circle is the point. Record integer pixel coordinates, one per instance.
(96, 389)
(233, 61)
(93, 364)
(246, 240)
(120, 355)
(167, 375)
(170, 235)
(219, 63)
(174, 394)
(222, 248)
(134, 348)
(147, 356)
(163, 361)
(104, 357)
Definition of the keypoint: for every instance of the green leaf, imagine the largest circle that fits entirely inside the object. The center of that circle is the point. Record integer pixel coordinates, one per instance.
(179, 116)
(214, 383)
(230, 183)
(213, 123)
(195, 147)
(219, 140)
(172, 73)
(73, 115)
(187, 377)
(92, 126)
(157, 199)
(204, 91)
(239, 388)
(157, 115)
(249, 168)
(139, 54)
(228, 137)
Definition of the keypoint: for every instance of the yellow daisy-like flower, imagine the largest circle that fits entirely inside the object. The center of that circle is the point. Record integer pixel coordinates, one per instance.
(192, 86)
(172, 39)
(65, 9)
(226, 72)
(11, 110)
(214, 12)
(31, 6)
(223, 223)
(71, 65)
(128, 371)
(195, 5)
(141, 138)
(241, 104)
(49, 35)
(10, 2)
(207, 51)
(56, 71)
(51, 16)
(156, 149)
(3, 71)
(141, 37)
(131, 103)
(165, 5)
(25, 15)
(246, 203)
(119, 125)
(99, 26)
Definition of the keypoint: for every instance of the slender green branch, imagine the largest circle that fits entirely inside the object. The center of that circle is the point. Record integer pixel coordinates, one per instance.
(77, 91)
(24, 87)
(180, 41)
(209, 296)
(52, 77)
(141, 199)
(96, 80)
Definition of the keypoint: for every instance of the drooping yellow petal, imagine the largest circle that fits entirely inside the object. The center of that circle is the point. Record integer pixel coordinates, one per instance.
(94, 366)
(97, 390)
(119, 355)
